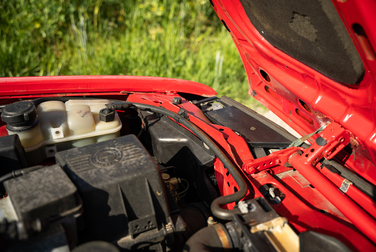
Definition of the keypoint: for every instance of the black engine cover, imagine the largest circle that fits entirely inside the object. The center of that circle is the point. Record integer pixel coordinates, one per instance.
(120, 185)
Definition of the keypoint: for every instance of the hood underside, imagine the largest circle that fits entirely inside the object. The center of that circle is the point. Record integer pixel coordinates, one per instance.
(310, 62)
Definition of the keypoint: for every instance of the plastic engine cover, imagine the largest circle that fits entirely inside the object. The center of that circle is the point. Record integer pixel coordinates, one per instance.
(44, 193)
(120, 185)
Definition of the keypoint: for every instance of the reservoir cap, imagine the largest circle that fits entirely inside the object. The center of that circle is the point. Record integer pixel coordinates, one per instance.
(106, 115)
(21, 113)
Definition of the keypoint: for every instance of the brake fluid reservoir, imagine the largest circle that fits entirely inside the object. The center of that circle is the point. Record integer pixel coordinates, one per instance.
(58, 126)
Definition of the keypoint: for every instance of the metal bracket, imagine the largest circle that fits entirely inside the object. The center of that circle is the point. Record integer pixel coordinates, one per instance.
(274, 159)
(336, 138)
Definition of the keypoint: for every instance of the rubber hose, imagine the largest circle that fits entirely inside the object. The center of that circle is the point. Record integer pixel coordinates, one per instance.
(205, 240)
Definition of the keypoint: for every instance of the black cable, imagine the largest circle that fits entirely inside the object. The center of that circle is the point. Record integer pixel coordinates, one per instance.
(20, 172)
(185, 189)
(216, 206)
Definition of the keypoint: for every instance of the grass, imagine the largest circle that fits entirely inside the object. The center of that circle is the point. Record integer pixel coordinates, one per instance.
(179, 39)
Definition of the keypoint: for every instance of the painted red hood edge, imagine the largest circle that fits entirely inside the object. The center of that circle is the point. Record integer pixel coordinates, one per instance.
(20, 86)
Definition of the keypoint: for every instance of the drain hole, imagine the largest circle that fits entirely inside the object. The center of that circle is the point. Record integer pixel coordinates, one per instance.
(272, 92)
(364, 42)
(304, 117)
(305, 106)
(265, 75)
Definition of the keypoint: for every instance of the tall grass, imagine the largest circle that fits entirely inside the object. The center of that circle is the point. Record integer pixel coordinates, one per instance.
(179, 39)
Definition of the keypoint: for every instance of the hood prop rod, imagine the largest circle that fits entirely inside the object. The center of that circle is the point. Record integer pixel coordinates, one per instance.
(336, 138)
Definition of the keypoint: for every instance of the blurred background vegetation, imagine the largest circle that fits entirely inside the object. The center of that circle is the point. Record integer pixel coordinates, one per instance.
(169, 38)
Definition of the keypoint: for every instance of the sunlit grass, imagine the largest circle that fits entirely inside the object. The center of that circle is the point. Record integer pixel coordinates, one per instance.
(178, 39)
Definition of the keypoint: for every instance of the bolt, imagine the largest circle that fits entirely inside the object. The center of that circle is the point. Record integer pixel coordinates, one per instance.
(169, 228)
(245, 207)
(165, 176)
(211, 221)
(271, 192)
(277, 199)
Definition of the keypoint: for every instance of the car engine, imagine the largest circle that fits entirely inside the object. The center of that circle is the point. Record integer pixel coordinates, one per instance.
(87, 174)
(76, 172)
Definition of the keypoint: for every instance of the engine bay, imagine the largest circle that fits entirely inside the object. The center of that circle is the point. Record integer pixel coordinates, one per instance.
(159, 172)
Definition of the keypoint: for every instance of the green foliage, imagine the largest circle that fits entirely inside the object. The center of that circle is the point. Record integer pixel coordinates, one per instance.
(179, 39)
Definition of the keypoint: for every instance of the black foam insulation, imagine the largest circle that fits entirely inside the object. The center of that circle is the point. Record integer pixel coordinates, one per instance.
(310, 31)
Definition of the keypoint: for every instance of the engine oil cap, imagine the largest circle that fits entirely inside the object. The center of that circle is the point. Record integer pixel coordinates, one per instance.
(20, 113)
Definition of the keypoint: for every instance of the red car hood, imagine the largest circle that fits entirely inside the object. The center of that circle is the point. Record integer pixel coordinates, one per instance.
(310, 62)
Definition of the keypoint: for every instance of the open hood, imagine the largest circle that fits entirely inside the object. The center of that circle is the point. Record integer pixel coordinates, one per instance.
(310, 62)
(125, 163)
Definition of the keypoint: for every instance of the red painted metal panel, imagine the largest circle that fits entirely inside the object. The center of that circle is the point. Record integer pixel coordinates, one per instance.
(25, 86)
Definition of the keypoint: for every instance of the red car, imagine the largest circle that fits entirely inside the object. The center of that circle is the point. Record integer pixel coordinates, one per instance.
(114, 163)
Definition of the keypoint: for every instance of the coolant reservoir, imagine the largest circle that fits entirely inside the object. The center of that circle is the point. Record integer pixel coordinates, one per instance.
(54, 125)
(21, 119)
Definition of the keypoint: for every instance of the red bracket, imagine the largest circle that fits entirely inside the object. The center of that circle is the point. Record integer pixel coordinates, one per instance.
(331, 141)
(274, 159)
